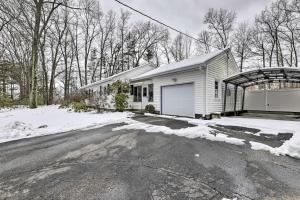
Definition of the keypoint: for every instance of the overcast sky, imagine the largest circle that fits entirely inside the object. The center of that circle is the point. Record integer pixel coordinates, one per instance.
(187, 15)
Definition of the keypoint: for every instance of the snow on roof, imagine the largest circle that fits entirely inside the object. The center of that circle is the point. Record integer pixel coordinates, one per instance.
(112, 77)
(181, 65)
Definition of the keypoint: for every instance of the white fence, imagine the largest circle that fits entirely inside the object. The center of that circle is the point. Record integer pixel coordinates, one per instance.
(280, 100)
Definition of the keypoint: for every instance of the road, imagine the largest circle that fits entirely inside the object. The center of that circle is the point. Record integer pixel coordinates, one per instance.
(133, 164)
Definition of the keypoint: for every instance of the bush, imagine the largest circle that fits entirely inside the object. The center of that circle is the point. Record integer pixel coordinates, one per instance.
(150, 108)
(5, 101)
(78, 96)
(78, 107)
(64, 104)
(119, 91)
(25, 101)
(121, 102)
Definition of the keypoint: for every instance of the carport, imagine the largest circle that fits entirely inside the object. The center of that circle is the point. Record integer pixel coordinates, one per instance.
(256, 77)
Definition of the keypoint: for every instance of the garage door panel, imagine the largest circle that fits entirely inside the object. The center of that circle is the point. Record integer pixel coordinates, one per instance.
(178, 100)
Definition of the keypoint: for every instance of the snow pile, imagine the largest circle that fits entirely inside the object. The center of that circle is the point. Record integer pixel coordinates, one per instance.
(24, 122)
(200, 131)
(266, 126)
(290, 147)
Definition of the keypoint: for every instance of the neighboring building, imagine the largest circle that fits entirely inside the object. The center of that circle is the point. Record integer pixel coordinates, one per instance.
(191, 87)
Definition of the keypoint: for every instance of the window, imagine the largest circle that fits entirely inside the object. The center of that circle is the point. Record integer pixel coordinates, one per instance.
(104, 91)
(100, 90)
(131, 89)
(216, 89)
(137, 94)
(107, 89)
(150, 92)
(144, 92)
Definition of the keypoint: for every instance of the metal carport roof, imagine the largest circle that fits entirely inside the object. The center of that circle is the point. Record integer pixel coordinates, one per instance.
(264, 75)
(259, 76)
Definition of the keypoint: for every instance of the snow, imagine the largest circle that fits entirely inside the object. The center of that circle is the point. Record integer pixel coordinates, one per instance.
(264, 147)
(25, 123)
(267, 126)
(200, 131)
(113, 77)
(198, 60)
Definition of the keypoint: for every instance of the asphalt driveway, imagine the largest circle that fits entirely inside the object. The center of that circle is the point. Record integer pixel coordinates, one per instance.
(133, 164)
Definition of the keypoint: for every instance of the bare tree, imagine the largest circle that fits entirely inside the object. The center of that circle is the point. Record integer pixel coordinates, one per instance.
(145, 36)
(220, 23)
(242, 42)
(9, 11)
(205, 42)
(270, 22)
(90, 20)
(181, 48)
(165, 44)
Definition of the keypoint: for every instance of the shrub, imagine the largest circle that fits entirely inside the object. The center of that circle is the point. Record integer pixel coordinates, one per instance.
(119, 91)
(64, 104)
(5, 100)
(120, 102)
(78, 96)
(78, 107)
(24, 101)
(150, 108)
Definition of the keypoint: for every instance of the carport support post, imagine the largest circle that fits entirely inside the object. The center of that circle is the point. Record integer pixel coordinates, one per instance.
(243, 100)
(225, 96)
(235, 98)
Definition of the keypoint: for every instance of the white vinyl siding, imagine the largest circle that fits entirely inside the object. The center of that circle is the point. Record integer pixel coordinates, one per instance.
(217, 70)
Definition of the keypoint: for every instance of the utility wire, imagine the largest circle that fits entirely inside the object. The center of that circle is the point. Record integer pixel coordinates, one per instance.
(157, 21)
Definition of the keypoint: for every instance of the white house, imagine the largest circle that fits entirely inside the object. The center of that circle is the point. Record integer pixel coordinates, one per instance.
(102, 85)
(191, 87)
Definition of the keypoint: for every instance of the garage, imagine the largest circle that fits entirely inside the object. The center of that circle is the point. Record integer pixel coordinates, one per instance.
(178, 100)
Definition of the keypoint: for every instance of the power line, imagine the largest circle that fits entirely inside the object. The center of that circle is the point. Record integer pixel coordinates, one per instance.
(157, 21)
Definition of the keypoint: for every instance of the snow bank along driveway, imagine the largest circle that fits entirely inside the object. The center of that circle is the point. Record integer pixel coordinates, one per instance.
(24, 122)
(203, 129)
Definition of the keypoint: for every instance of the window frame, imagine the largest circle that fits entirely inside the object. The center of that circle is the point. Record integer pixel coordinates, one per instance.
(131, 89)
(145, 91)
(137, 94)
(217, 89)
(150, 92)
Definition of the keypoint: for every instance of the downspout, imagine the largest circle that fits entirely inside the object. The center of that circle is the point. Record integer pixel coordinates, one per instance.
(205, 92)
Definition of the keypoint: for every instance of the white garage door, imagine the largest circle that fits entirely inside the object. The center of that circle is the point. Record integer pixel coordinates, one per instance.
(178, 100)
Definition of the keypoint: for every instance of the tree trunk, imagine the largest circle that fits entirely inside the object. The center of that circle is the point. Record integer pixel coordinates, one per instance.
(34, 56)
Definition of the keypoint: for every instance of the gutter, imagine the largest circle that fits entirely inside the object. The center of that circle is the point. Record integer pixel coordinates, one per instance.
(167, 72)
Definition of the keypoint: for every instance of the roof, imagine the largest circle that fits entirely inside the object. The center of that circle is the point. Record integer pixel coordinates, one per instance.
(264, 75)
(182, 65)
(113, 77)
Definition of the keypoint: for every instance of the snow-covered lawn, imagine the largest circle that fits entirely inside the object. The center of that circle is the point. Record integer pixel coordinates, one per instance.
(24, 122)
